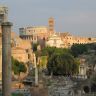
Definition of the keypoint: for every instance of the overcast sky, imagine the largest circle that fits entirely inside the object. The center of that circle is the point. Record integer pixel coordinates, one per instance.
(75, 16)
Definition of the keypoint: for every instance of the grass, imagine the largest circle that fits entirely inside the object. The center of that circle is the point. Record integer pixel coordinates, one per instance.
(17, 94)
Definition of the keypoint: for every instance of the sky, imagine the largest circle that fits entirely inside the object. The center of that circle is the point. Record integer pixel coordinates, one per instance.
(75, 16)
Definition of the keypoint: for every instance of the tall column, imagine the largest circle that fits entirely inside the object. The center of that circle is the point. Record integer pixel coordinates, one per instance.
(36, 71)
(6, 58)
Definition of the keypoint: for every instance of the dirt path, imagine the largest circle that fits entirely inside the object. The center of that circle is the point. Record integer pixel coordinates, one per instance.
(37, 91)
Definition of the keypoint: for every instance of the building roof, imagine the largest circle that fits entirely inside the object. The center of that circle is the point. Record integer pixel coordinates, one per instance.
(54, 36)
(63, 34)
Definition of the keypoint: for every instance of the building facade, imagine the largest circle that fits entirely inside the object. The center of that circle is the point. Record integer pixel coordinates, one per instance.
(20, 54)
(34, 33)
(55, 41)
(47, 35)
(37, 33)
(70, 40)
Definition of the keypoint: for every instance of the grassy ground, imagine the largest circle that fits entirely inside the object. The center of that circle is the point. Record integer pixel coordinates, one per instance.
(17, 94)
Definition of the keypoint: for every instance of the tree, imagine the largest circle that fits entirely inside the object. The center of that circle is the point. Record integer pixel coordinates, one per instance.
(18, 67)
(91, 46)
(78, 49)
(60, 61)
(48, 51)
(34, 46)
(62, 64)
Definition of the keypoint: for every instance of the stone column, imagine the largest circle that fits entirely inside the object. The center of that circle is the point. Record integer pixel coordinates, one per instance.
(36, 71)
(6, 58)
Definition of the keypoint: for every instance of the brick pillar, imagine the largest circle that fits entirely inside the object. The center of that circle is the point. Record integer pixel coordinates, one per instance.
(6, 58)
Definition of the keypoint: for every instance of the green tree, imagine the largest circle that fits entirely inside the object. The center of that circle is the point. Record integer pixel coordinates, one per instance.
(91, 46)
(78, 49)
(18, 67)
(34, 46)
(62, 64)
(48, 51)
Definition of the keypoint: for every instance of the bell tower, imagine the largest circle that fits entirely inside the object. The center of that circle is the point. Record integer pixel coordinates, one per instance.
(51, 25)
